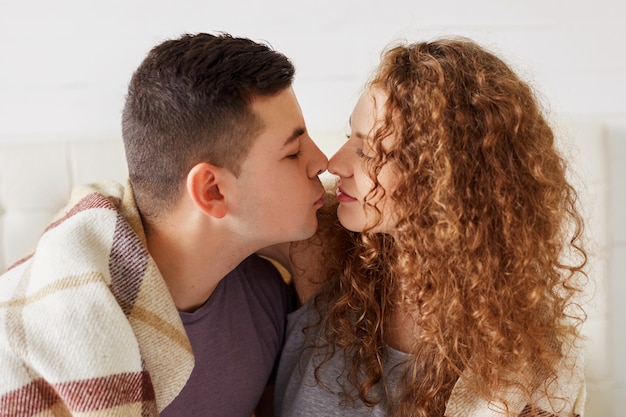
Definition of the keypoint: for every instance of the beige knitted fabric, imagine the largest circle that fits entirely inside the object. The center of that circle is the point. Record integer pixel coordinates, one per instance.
(87, 325)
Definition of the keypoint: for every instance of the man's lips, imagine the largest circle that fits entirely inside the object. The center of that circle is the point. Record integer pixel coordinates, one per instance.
(344, 197)
(320, 201)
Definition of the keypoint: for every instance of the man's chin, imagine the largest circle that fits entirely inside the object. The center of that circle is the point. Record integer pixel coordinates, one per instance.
(307, 232)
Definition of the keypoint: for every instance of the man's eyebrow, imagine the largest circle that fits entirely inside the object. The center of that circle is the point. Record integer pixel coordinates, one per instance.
(294, 136)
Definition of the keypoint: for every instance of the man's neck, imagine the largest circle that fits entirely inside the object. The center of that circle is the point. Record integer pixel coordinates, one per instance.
(191, 264)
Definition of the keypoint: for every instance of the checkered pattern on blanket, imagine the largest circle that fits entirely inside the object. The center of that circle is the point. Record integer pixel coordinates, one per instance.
(87, 325)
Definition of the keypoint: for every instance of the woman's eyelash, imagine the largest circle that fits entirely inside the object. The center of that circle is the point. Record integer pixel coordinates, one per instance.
(359, 151)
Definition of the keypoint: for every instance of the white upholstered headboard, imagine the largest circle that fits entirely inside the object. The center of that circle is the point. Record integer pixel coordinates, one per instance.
(36, 179)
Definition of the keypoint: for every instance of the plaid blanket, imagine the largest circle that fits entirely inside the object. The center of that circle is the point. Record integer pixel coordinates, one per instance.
(567, 395)
(87, 325)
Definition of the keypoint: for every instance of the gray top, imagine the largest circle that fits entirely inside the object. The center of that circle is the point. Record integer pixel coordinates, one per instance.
(298, 394)
(236, 337)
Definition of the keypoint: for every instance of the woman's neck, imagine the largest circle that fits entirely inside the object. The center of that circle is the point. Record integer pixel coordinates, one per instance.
(402, 329)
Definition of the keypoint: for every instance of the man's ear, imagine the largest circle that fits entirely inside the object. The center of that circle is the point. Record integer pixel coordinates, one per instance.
(203, 186)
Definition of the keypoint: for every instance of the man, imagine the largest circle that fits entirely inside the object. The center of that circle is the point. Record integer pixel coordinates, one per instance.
(220, 166)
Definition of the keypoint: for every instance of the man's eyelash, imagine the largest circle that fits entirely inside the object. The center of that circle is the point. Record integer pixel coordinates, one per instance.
(295, 155)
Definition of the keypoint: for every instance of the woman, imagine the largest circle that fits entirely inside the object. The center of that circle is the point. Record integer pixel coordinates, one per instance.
(453, 291)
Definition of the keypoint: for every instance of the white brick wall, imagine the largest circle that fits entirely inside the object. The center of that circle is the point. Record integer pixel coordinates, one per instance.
(65, 64)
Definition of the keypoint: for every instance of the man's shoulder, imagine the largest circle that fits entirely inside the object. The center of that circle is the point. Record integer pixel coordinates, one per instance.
(261, 277)
(260, 267)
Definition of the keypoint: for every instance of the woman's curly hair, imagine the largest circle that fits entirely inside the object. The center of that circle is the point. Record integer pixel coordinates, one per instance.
(488, 245)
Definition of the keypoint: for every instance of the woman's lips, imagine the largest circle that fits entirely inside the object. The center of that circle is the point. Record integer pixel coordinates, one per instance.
(344, 197)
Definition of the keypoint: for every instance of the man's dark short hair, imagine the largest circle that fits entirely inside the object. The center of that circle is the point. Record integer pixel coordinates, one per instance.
(189, 102)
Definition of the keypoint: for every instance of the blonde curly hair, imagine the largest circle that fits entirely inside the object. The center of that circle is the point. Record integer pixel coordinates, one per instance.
(488, 249)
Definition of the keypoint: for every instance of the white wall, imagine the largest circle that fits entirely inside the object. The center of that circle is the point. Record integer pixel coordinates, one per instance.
(65, 65)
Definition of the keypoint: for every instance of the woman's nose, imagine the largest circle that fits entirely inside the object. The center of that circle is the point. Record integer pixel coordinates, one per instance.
(337, 165)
